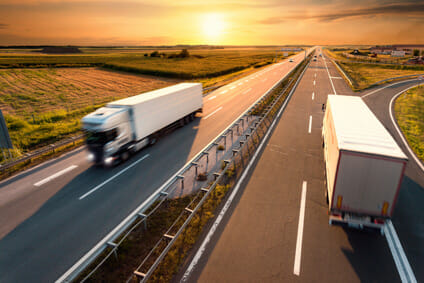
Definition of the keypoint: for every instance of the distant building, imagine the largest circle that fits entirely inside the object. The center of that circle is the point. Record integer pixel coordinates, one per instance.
(388, 49)
(398, 53)
(409, 49)
(382, 50)
(292, 49)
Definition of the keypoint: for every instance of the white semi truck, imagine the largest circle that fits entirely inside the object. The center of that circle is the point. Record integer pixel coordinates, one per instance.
(127, 125)
(364, 165)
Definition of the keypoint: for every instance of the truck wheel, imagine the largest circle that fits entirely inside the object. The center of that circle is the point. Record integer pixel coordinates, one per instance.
(187, 119)
(124, 155)
(191, 117)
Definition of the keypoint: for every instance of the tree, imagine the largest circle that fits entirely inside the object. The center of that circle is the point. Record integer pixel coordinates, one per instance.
(416, 52)
(155, 54)
(184, 54)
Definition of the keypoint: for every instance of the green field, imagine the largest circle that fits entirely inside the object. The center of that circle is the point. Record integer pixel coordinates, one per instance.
(409, 111)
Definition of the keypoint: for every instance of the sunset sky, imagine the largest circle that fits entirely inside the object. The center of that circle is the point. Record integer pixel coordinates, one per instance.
(226, 22)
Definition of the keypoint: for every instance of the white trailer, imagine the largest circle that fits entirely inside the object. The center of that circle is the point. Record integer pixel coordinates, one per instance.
(129, 124)
(364, 164)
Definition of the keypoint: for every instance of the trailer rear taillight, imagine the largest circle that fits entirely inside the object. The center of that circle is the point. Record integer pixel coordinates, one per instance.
(339, 202)
(385, 208)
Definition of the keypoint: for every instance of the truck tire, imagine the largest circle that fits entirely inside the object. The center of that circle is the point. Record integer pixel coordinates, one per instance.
(125, 155)
(191, 117)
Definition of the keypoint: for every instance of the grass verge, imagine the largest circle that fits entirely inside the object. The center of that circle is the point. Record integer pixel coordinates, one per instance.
(409, 112)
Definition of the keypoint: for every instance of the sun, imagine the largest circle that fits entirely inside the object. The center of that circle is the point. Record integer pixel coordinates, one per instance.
(213, 26)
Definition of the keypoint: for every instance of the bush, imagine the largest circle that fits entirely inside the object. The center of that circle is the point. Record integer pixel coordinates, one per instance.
(203, 176)
(155, 54)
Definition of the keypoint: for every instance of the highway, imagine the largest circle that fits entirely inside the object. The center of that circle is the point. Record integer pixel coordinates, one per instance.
(276, 229)
(53, 214)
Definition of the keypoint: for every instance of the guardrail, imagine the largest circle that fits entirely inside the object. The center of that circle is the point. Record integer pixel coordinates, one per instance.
(50, 148)
(343, 72)
(229, 147)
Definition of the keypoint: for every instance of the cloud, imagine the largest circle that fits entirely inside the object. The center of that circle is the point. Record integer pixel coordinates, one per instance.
(398, 9)
(3, 26)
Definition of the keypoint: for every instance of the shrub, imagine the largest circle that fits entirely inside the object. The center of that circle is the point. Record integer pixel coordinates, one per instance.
(203, 176)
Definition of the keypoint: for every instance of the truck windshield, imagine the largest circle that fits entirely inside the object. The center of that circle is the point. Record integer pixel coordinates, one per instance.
(101, 137)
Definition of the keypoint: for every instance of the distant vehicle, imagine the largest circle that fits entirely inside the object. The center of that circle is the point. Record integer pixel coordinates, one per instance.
(314, 59)
(127, 125)
(290, 60)
(364, 165)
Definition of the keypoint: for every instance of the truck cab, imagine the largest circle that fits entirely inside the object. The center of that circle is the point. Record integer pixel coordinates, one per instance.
(108, 131)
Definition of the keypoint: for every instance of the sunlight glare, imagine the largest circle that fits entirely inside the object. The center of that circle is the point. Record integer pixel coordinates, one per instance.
(213, 26)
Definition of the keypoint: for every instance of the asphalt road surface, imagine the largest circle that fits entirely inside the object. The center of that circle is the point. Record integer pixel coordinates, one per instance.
(258, 239)
(48, 218)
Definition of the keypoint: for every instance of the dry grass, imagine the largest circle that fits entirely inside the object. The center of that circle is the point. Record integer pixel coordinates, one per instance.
(409, 111)
(364, 75)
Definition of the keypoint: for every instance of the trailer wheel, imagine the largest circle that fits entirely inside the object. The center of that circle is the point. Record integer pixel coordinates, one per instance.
(187, 119)
(191, 117)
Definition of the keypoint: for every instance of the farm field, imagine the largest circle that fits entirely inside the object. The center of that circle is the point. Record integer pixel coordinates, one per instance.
(201, 63)
(42, 106)
(409, 111)
(364, 75)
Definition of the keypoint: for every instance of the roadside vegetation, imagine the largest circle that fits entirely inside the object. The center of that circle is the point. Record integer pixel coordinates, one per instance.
(409, 111)
(364, 75)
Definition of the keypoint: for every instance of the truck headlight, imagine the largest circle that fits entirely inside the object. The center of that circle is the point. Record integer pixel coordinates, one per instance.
(90, 157)
(108, 161)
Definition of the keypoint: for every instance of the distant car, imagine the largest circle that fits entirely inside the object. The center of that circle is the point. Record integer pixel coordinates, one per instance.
(290, 60)
(315, 59)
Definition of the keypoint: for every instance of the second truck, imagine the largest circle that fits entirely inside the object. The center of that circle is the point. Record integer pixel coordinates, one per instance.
(125, 126)
(364, 164)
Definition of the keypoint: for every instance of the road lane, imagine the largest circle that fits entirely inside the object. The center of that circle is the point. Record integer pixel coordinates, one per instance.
(62, 228)
(408, 218)
(257, 241)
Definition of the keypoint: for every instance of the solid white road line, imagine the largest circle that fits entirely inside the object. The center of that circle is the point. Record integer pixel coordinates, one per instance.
(54, 176)
(378, 89)
(331, 81)
(210, 98)
(298, 255)
(218, 220)
(404, 268)
(313, 95)
(310, 124)
(212, 113)
(233, 87)
(224, 91)
(417, 161)
(240, 83)
(336, 77)
(111, 178)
